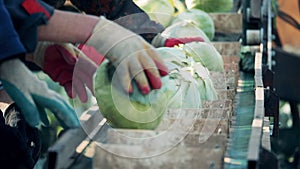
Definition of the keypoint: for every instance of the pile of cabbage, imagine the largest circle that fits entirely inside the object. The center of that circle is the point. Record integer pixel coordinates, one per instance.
(169, 12)
(210, 5)
(186, 86)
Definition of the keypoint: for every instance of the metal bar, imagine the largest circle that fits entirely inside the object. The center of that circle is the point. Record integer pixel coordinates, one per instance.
(254, 146)
(62, 155)
(258, 70)
(255, 12)
(257, 128)
(272, 109)
(269, 34)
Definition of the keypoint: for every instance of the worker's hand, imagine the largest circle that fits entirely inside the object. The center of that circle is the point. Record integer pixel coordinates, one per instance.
(132, 56)
(69, 66)
(160, 41)
(33, 96)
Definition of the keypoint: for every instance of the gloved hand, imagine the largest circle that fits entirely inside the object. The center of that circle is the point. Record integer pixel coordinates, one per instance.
(33, 96)
(132, 56)
(160, 41)
(69, 66)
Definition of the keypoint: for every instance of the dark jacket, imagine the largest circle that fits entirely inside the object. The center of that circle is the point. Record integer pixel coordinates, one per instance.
(10, 44)
(124, 12)
(27, 15)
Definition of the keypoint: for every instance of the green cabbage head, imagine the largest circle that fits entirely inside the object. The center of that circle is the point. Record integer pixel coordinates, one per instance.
(206, 54)
(161, 11)
(135, 111)
(184, 29)
(199, 18)
(210, 5)
(186, 85)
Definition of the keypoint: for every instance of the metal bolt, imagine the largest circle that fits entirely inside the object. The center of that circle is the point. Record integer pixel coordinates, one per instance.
(273, 62)
(32, 144)
(273, 37)
(273, 53)
(219, 131)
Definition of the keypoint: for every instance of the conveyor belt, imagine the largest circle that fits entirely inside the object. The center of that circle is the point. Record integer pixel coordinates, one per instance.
(236, 155)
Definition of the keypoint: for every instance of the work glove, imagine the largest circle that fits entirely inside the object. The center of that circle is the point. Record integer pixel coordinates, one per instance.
(131, 55)
(70, 67)
(33, 96)
(160, 41)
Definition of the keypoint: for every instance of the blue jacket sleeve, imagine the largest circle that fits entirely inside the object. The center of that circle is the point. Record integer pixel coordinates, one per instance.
(10, 44)
(27, 15)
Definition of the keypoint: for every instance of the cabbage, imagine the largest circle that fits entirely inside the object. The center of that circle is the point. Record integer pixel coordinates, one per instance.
(135, 111)
(206, 54)
(198, 77)
(199, 18)
(186, 85)
(205, 84)
(160, 11)
(210, 5)
(184, 29)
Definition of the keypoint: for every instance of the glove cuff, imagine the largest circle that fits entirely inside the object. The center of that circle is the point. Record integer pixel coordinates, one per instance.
(39, 53)
(106, 36)
(158, 41)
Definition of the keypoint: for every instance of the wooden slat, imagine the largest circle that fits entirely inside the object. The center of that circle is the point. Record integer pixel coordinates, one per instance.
(227, 22)
(228, 48)
(201, 155)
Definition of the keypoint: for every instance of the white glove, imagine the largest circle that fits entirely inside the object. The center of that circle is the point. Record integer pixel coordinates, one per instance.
(132, 56)
(33, 96)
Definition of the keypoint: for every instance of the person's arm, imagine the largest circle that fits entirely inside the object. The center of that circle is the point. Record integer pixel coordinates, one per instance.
(124, 12)
(113, 41)
(28, 92)
(68, 27)
(127, 14)
(27, 15)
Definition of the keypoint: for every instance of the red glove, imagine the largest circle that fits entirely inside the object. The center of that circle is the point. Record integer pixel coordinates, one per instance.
(171, 42)
(160, 41)
(70, 67)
